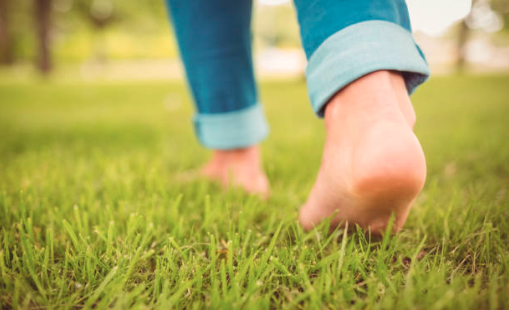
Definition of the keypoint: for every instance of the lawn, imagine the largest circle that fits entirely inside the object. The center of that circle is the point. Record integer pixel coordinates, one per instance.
(95, 213)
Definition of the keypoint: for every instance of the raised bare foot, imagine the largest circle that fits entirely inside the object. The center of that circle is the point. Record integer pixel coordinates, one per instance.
(372, 164)
(239, 167)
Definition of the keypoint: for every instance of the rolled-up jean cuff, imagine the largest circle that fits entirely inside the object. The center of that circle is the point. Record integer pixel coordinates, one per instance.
(360, 49)
(232, 130)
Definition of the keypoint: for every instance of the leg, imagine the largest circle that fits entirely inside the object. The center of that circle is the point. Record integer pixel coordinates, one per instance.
(214, 38)
(363, 63)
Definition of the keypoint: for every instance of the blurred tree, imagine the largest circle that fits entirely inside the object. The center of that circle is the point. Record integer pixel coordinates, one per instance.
(501, 7)
(485, 15)
(104, 14)
(49, 32)
(463, 34)
(43, 25)
(277, 26)
(6, 44)
(100, 14)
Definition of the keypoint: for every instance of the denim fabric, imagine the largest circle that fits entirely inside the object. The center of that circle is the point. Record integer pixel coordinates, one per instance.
(372, 45)
(231, 130)
(214, 37)
(319, 19)
(343, 40)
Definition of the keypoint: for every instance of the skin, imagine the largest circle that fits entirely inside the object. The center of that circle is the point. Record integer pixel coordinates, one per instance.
(239, 167)
(372, 164)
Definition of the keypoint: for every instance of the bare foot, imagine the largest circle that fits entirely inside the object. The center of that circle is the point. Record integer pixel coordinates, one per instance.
(372, 164)
(239, 167)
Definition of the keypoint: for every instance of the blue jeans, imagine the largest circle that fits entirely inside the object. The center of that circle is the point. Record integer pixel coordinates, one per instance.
(343, 40)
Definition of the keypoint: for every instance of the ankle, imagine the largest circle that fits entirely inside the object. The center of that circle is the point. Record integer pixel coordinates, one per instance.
(249, 154)
(371, 97)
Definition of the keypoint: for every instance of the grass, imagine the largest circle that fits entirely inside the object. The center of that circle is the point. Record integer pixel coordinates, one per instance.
(93, 213)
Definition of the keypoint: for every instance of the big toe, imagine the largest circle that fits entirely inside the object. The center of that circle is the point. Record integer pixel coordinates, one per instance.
(311, 215)
(305, 218)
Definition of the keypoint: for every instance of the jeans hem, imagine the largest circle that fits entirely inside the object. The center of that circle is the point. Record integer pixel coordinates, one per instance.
(232, 130)
(360, 49)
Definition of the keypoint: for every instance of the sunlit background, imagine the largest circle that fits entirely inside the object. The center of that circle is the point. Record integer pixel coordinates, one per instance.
(128, 39)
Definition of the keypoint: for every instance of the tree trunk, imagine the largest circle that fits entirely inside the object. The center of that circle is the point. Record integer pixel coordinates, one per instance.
(43, 24)
(462, 41)
(6, 54)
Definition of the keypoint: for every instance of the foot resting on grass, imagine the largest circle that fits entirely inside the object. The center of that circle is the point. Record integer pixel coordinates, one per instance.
(372, 163)
(239, 167)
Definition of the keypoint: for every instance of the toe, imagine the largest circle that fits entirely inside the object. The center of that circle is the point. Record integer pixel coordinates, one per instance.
(306, 218)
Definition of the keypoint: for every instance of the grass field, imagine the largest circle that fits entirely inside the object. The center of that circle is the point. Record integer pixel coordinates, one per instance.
(94, 212)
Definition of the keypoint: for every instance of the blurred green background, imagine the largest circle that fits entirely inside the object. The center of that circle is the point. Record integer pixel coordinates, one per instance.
(53, 36)
(132, 39)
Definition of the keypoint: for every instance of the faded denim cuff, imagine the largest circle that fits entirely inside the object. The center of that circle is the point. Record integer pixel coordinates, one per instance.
(232, 130)
(360, 49)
